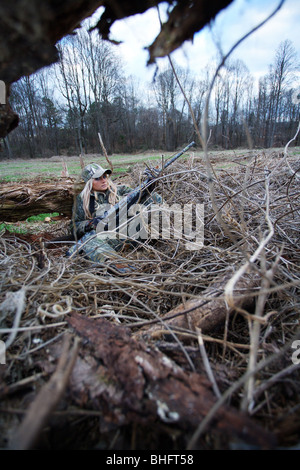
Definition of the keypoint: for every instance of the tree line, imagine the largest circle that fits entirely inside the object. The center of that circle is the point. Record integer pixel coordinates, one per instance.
(63, 107)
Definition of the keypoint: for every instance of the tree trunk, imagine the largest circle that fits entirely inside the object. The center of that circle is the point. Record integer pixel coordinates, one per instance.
(19, 201)
(131, 382)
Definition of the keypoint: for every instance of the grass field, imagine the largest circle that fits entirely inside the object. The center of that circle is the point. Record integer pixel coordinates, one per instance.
(21, 169)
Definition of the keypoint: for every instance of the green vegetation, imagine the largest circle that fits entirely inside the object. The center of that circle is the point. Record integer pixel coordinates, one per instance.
(12, 228)
(45, 169)
(26, 226)
(41, 217)
(50, 168)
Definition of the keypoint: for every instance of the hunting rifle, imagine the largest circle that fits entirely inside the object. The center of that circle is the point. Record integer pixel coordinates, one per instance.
(133, 197)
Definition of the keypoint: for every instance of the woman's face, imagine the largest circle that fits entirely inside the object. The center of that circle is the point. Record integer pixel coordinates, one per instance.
(100, 184)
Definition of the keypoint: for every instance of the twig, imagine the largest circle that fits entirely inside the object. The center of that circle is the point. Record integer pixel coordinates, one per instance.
(274, 379)
(46, 400)
(233, 388)
(231, 283)
(16, 300)
(105, 152)
(254, 327)
(286, 151)
(207, 364)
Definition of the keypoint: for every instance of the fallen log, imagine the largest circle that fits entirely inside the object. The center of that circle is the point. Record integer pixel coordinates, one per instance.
(19, 201)
(131, 382)
(208, 312)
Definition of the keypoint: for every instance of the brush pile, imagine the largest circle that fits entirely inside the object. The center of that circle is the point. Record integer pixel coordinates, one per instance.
(186, 353)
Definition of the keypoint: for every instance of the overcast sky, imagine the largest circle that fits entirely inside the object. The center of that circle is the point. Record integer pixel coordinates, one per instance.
(257, 52)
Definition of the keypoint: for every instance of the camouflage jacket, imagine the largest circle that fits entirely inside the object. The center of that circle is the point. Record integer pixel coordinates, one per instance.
(98, 204)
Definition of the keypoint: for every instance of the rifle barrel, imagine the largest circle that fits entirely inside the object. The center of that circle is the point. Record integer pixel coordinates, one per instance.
(178, 155)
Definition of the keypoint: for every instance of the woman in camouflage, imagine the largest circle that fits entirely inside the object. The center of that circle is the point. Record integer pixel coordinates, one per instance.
(98, 195)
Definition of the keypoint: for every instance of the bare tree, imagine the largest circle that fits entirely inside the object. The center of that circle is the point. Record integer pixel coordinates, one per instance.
(104, 77)
(278, 79)
(25, 97)
(51, 113)
(172, 107)
(95, 96)
(73, 86)
(240, 87)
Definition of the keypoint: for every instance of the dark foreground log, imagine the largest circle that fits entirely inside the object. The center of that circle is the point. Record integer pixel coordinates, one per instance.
(130, 382)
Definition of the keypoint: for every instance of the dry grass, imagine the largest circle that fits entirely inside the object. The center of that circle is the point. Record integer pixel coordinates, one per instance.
(255, 230)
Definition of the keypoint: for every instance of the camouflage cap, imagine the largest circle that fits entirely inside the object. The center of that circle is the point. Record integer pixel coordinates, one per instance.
(93, 170)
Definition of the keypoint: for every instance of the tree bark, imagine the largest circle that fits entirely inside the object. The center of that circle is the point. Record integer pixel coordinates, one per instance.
(130, 381)
(19, 201)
